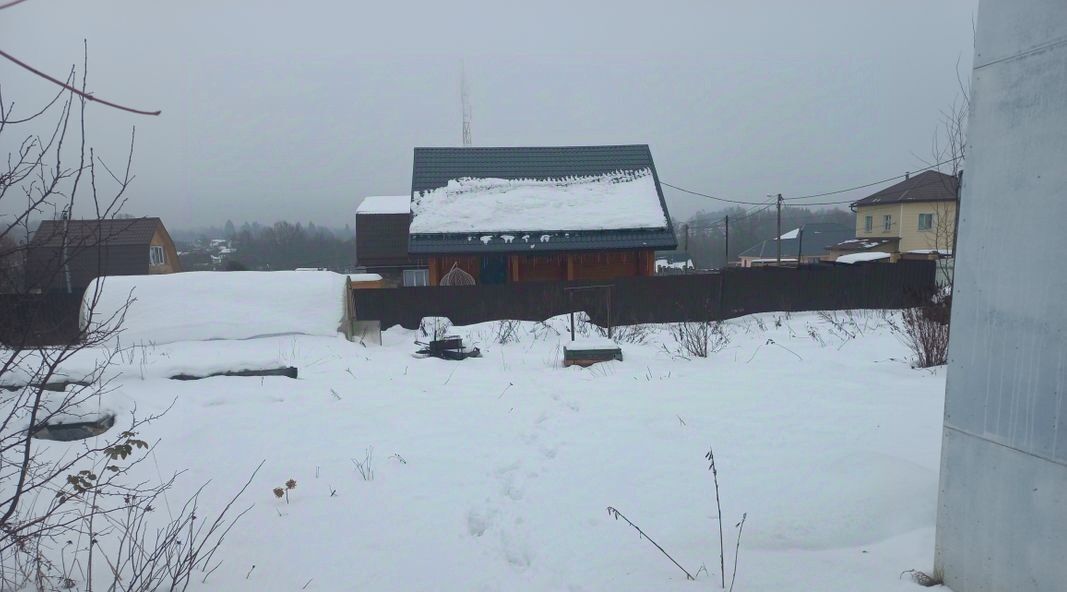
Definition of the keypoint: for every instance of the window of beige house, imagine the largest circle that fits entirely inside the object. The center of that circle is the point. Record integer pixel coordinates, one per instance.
(887, 222)
(926, 221)
(868, 223)
(156, 256)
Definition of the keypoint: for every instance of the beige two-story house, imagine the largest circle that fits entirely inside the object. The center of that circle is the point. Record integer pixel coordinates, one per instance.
(914, 217)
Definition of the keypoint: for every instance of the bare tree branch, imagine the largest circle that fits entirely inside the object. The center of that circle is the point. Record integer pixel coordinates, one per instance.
(84, 95)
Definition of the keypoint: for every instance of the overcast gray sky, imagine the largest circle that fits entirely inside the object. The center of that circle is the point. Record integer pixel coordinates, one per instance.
(297, 110)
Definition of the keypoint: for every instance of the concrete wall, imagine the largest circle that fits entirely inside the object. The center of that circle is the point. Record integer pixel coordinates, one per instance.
(1002, 519)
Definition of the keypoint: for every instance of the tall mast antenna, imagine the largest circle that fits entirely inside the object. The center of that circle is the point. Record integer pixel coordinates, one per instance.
(465, 99)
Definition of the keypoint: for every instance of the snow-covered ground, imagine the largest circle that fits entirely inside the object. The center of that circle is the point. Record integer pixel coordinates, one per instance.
(495, 473)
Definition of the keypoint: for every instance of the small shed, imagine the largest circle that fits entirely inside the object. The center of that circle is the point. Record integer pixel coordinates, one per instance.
(67, 255)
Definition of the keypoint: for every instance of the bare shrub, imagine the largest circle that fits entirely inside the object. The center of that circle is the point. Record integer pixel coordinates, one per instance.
(925, 331)
(922, 578)
(507, 331)
(77, 515)
(366, 466)
(698, 338)
(435, 327)
(710, 456)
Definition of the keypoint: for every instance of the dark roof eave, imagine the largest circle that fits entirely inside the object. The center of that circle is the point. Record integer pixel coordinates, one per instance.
(556, 245)
(891, 201)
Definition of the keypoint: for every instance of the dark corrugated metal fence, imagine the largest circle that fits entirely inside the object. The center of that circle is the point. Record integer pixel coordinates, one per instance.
(660, 299)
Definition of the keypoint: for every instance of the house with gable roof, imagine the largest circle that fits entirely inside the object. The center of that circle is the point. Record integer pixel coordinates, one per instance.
(520, 214)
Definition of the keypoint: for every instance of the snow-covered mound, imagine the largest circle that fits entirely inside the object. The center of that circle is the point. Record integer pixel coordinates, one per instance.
(204, 305)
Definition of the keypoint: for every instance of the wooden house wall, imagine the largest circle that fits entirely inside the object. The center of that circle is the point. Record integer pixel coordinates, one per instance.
(85, 264)
(171, 263)
(537, 268)
(442, 264)
(602, 265)
(382, 240)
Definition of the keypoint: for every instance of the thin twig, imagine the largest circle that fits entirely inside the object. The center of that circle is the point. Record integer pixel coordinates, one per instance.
(84, 95)
(616, 515)
(718, 507)
(737, 549)
(10, 4)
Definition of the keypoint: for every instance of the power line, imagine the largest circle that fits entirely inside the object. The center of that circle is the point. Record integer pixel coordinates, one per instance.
(821, 194)
(723, 199)
(873, 183)
(751, 212)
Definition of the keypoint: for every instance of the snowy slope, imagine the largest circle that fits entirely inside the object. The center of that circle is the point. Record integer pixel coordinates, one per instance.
(621, 200)
(495, 473)
(205, 305)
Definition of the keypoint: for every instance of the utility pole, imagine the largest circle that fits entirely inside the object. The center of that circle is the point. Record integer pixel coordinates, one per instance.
(778, 241)
(726, 252)
(800, 245)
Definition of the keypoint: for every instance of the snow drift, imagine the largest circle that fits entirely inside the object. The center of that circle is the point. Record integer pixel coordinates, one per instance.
(204, 305)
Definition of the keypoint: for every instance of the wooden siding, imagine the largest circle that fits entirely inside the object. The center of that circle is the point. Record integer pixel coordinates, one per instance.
(382, 241)
(171, 264)
(85, 264)
(602, 265)
(441, 265)
(88, 261)
(538, 268)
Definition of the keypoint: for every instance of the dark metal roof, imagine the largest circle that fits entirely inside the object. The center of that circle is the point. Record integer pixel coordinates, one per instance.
(435, 167)
(113, 232)
(925, 186)
(552, 242)
(815, 239)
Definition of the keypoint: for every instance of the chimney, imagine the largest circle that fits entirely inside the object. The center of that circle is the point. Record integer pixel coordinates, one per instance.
(907, 175)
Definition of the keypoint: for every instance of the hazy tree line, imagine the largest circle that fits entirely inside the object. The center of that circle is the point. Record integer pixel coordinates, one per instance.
(707, 231)
(282, 245)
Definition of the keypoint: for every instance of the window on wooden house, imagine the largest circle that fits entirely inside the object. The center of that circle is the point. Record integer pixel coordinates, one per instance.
(156, 255)
(416, 277)
(926, 221)
(887, 222)
(868, 223)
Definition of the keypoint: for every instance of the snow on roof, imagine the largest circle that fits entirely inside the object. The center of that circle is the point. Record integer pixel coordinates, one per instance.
(206, 305)
(385, 204)
(611, 201)
(931, 251)
(664, 263)
(791, 234)
(590, 343)
(861, 257)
